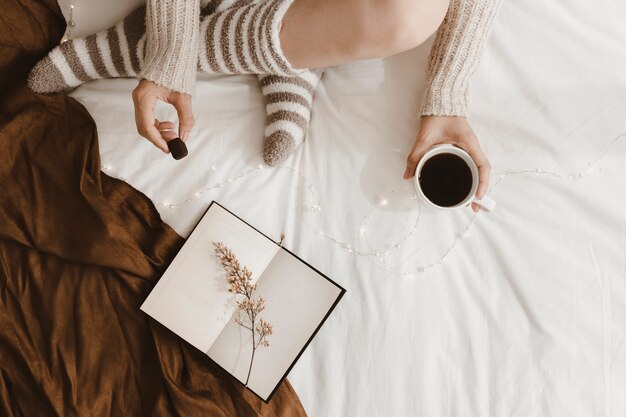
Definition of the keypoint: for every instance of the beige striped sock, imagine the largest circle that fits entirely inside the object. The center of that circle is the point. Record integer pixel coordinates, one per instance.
(288, 99)
(244, 40)
(288, 103)
(210, 7)
(115, 52)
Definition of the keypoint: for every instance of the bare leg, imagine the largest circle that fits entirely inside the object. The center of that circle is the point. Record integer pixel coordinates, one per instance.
(321, 33)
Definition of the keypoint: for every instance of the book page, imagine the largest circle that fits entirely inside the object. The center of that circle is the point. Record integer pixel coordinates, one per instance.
(192, 297)
(297, 300)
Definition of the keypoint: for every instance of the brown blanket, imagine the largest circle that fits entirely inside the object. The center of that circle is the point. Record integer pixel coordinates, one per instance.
(79, 252)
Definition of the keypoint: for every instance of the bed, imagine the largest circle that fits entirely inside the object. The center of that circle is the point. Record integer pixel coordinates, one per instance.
(518, 312)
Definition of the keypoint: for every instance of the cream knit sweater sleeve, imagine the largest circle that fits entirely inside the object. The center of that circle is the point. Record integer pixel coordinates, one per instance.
(172, 31)
(455, 56)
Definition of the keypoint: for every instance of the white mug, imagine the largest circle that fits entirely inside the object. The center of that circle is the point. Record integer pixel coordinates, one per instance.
(486, 203)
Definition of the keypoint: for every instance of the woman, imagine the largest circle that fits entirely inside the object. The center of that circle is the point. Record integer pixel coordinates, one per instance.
(349, 30)
(282, 41)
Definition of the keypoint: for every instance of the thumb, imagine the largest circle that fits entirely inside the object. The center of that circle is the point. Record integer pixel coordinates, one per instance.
(419, 149)
(185, 115)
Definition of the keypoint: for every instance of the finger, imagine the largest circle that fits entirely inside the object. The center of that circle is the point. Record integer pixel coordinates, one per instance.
(484, 168)
(161, 126)
(168, 135)
(144, 118)
(419, 149)
(166, 129)
(483, 180)
(185, 115)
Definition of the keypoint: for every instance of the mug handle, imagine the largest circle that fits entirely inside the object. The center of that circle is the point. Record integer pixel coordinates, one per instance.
(486, 203)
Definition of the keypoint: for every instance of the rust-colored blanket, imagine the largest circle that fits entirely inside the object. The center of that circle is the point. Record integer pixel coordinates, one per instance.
(79, 252)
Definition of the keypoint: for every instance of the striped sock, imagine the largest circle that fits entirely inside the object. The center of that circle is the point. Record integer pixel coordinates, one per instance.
(115, 52)
(288, 103)
(288, 99)
(244, 40)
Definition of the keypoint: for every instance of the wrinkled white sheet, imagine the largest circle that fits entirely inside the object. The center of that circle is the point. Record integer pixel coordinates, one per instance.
(526, 316)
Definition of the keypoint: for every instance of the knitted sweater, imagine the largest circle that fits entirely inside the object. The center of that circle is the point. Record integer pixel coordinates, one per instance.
(172, 31)
(172, 47)
(455, 56)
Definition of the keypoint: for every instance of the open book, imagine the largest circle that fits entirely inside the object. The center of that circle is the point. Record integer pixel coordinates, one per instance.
(193, 301)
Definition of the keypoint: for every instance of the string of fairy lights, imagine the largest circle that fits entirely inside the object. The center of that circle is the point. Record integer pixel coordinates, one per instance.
(381, 255)
(71, 23)
(383, 200)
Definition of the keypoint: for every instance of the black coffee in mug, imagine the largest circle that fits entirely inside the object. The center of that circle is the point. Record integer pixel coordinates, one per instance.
(446, 179)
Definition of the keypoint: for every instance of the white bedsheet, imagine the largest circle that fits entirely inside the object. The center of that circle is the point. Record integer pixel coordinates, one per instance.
(526, 315)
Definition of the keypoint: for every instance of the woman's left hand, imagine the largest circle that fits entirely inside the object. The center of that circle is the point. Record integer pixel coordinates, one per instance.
(435, 130)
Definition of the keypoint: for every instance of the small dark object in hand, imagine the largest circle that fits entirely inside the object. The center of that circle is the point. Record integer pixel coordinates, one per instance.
(178, 148)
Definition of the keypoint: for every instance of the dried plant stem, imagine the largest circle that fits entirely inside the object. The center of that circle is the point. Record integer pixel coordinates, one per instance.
(251, 359)
(255, 345)
(240, 283)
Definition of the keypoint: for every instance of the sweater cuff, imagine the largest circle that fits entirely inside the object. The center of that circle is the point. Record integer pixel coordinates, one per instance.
(455, 55)
(439, 102)
(172, 31)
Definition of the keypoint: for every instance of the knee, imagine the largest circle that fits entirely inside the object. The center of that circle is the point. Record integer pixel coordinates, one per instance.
(388, 27)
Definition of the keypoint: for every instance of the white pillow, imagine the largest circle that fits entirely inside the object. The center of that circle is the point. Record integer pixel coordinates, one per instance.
(91, 16)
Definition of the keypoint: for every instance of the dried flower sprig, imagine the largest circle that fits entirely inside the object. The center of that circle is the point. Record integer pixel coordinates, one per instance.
(248, 308)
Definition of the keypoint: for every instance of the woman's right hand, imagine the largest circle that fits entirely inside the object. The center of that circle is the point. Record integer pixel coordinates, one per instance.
(145, 96)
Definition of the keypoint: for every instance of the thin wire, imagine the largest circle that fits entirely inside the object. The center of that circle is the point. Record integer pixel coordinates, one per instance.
(71, 23)
(379, 255)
